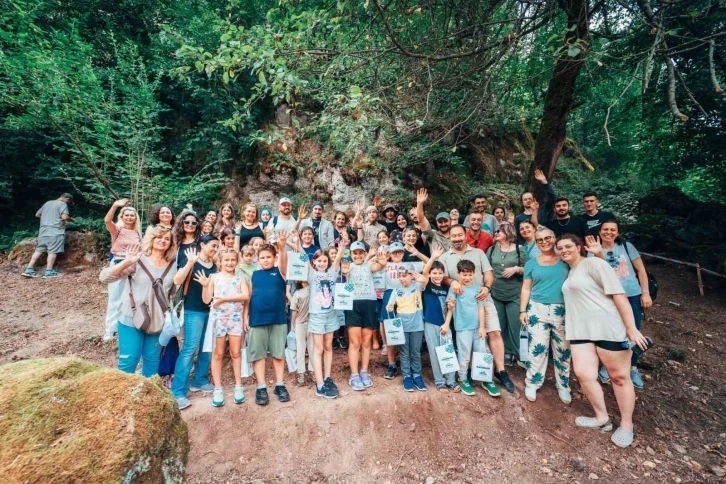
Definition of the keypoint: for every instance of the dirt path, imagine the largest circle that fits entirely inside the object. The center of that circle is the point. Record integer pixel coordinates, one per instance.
(388, 435)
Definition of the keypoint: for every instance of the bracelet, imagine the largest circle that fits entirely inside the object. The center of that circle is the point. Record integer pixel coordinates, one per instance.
(488, 288)
(523, 312)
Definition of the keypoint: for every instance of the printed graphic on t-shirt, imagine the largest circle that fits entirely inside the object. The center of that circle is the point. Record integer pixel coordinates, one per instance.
(619, 264)
(361, 279)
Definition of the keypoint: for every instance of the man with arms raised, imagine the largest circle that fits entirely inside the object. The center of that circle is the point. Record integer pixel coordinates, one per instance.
(545, 208)
(443, 222)
(483, 277)
(565, 223)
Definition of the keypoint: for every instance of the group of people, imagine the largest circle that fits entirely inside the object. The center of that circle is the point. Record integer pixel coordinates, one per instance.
(568, 284)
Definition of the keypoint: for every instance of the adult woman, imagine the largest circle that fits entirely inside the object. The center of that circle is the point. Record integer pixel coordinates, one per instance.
(225, 218)
(211, 217)
(186, 233)
(499, 214)
(526, 230)
(598, 323)
(454, 215)
(542, 312)
(625, 259)
(156, 255)
(249, 227)
(207, 227)
(199, 261)
(161, 216)
(414, 252)
(340, 224)
(508, 260)
(125, 232)
(401, 224)
(265, 216)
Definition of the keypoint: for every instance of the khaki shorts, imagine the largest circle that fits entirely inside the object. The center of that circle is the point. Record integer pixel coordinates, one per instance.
(261, 339)
(52, 244)
(491, 320)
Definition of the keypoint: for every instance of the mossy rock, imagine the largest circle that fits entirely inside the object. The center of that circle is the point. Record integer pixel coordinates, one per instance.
(69, 420)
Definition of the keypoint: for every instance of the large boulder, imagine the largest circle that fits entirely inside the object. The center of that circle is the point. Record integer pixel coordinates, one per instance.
(69, 420)
(81, 249)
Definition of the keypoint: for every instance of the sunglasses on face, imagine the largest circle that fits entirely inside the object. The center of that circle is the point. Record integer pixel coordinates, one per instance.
(544, 239)
(497, 232)
(191, 222)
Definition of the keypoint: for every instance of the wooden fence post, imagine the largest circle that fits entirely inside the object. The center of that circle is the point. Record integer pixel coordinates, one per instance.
(700, 281)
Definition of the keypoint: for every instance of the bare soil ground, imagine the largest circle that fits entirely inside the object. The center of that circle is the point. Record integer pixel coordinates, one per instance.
(388, 435)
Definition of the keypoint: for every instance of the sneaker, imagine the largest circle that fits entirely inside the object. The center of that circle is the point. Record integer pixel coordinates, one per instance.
(183, 402)
(522, 364)
(506, 382)
(384, 350)
(451, 386)
(466, 388)
(282, 394)
(206, 388)
(342, 343)
(51, 273)
(419, 383)
(408, 383)
(261, 397)
(328, 382)
(239, 394)
(391, 372)
(637, 379)
(442, 387)
(508, 359)
(326, 391)
(301, 379)
(218, 397)
(491, 388)
(355, 383)
(365, 378)
(29, 272)
(108, 337)
(530, 393)
(602, 375)
(565, 395)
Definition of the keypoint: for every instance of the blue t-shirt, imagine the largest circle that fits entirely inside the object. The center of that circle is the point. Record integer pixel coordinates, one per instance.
(466, 311)
(267, 301)
(434, 300)
(546, 281)
(618, 259)
(310, 251)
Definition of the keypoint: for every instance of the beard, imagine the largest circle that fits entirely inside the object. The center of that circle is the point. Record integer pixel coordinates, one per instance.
(459, 244)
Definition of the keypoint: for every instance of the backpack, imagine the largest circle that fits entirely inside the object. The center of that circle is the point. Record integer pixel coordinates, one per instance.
(150, 314)
(652, 282)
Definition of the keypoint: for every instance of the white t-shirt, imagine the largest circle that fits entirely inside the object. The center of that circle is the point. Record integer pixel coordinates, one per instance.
(590, 311)
(391, 272)
(322, 286)
(361, 277)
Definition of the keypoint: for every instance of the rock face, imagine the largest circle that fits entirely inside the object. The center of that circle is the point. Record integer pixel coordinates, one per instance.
(80, 250)
(68, 420)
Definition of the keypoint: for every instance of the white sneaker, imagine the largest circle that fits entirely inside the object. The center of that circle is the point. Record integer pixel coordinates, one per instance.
(107, 337)
(239, 394)
(530, 393)
(384, 350)
(565, 395)
(218, 397)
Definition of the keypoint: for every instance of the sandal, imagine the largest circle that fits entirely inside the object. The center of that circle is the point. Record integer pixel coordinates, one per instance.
(623, 438)
(442, 387)
(592, 423)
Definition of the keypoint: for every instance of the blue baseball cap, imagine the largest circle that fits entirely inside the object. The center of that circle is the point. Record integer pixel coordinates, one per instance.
(396, 246)
(357, 245)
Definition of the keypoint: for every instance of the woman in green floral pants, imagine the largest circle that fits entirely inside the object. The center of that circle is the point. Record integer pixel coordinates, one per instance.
(542, 312)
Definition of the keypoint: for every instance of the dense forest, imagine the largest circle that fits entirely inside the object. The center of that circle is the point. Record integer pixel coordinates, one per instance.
(187, 101)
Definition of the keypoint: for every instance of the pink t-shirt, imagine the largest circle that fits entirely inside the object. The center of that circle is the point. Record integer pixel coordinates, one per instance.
(122, 238)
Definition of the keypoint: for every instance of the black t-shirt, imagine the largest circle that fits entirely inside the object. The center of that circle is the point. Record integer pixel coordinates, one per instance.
(181, 258)
(573, 225)
(390, 226)
(593, 223)
(245, 235)
(193, 299)
(351, 235)
(316, 230)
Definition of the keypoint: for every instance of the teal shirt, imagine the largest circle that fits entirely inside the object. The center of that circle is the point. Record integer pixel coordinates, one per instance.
(546, 281)
(466, 311)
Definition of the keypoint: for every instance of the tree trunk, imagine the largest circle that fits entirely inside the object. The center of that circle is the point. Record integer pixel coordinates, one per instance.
(560, 92)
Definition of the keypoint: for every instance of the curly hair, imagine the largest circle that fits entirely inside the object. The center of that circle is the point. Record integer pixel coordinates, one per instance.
(179, 226)
(154, 215)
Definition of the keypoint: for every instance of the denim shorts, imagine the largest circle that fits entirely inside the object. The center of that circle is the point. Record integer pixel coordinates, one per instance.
(322, 323)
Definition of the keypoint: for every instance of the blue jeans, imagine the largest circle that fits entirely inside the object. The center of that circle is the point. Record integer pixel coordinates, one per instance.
(638, 313)
(133, 345)
(195, 325)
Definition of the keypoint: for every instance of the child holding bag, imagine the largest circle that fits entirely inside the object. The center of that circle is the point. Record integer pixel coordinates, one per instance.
(300, 306)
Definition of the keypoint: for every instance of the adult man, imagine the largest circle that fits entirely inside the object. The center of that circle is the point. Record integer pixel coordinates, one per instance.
(368, 231)
(593, 217)
(53, 216)
(475, 236)
(389, 220)
(284, 219)
(564, 223)
(483, 276)
(443, 222)
(543, 213)
(489, 221)
(324, 235)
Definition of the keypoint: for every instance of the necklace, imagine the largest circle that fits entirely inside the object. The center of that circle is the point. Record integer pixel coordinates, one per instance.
(565, 224)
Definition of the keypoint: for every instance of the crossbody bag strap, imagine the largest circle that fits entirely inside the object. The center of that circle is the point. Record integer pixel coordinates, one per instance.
(131, 293)
(187, 281)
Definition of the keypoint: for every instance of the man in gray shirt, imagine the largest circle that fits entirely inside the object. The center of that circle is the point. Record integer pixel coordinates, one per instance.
(53, 216)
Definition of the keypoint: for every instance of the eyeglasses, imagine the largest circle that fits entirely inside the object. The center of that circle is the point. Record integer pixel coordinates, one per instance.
(191, 222)
(549, 238)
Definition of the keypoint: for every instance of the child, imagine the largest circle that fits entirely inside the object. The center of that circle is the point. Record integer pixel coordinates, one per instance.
(434, 299)
(226, 290)
(265, 320)
(226, 237)
(397, 252)
(361, 321)
(410, 309)
(323, 318)
(299, 325)
(246, 266)
(339, 338)
(256, 243)
(468, 314)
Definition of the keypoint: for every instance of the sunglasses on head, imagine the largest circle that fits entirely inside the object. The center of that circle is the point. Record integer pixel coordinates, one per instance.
(191, 222)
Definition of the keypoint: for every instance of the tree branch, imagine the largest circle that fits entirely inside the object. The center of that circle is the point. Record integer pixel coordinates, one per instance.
(672, 91)
(607, 116)
(712, 70)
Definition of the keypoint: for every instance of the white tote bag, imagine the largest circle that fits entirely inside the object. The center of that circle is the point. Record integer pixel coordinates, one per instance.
(298, 266)
(208, 345)
(446, 355)
(482, 363)
(246, 363)
(394, 331)
(343, 296)
(524, 345)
